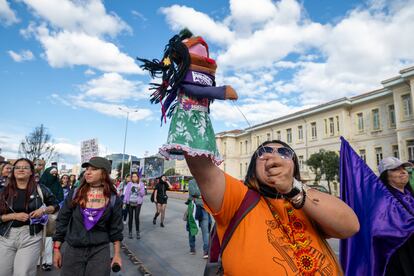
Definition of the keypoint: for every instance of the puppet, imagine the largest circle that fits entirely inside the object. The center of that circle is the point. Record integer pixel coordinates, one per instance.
(185, 93)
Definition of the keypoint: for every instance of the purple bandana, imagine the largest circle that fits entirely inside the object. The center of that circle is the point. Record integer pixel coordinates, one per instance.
(42, 220)
(91, 216)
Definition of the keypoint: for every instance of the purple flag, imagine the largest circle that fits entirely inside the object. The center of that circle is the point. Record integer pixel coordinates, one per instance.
(385, 223)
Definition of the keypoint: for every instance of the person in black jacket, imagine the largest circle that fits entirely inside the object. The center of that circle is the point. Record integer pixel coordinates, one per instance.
(22, 216)
(90, 218)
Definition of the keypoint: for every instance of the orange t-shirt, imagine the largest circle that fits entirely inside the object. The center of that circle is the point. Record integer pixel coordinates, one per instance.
(259, 246)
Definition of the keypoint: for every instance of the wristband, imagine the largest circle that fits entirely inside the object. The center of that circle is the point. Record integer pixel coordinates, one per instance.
(55, 246)
(299, 201)
(296, 189)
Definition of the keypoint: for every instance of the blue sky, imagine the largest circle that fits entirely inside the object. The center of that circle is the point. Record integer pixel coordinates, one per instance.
(71, 64)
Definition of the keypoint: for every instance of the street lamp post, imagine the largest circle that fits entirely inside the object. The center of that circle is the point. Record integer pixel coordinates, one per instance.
(125, 136)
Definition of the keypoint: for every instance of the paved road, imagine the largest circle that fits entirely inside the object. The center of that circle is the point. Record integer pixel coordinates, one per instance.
(165, 251)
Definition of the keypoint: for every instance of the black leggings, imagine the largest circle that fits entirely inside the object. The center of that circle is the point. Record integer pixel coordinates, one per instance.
(131, 210)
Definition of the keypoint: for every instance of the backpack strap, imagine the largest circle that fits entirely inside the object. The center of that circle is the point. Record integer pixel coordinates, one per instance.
(250, 200)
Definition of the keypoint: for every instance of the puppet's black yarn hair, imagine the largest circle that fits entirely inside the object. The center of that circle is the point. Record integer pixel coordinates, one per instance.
(171, 69)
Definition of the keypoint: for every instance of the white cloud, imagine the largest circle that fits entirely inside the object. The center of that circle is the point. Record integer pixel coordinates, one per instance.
(10, 144)
(67, 49)
(199, 23)
(7, 15)
(139, 15)
(24, 55)
(89, 72)
(254, 110)
(361, 50)
(89, 17)
(114, 88)
(277, 52)
(109, 109)
(114, 110)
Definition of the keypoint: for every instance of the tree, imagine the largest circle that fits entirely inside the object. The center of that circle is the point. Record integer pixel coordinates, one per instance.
(37, 145)
(127, 169)
(324, 163)
(170, 171)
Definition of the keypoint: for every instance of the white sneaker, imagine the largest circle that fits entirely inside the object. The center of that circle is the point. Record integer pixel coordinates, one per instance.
(124, 221)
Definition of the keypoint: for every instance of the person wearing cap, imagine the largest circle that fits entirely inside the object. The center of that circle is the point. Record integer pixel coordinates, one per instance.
(394, 175)
(90, 219)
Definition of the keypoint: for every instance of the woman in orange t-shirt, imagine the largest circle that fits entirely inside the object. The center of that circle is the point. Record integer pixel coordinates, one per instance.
(284, 234)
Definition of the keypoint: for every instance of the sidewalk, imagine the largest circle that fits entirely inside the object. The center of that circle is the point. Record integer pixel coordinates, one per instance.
(165, 251)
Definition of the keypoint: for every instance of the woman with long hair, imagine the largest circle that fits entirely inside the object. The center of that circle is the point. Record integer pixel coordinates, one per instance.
(160, 198)
(284, 233)
(90, 219)
(133, 198)
(72, 180)
(5, 170)
(22, 216)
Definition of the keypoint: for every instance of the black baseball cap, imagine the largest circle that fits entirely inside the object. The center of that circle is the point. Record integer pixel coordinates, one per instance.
(98, 162)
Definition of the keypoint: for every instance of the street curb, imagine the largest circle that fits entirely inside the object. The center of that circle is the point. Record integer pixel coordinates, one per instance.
(134, 259)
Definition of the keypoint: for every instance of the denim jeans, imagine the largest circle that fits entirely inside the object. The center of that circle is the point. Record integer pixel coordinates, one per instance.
(204, 225)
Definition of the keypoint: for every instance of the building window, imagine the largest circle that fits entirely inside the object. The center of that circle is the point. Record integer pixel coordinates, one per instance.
(313, 130)
(245, 167)
(395, 151)
(326, 127)
(241, 169)
(224, 167)
(246, 146)
(375, 119)
(300, 133)
(331, 126)
(337, 124)
(391, 115)
(406, 105)
(279, 135)
(363, 154)
(289, 135)
(257, 141)
(360, 117)
(410, 149)
(301, 162)
(224, 148)
(268, 137)
(241, 147)
(378, 154)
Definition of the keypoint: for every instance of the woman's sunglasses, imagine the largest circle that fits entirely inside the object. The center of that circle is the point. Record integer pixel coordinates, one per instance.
(284, 153)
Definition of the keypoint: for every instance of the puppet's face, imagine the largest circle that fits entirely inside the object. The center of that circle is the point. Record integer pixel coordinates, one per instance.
(197, 46)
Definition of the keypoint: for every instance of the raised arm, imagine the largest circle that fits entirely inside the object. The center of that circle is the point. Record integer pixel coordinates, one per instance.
(335, 218)
(210, 180)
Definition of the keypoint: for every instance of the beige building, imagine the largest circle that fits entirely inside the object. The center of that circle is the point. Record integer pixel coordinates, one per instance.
(377, 124)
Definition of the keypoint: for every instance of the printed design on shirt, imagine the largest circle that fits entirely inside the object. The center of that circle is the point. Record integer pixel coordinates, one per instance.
(294, 246)
(134, 194)
(96, 196)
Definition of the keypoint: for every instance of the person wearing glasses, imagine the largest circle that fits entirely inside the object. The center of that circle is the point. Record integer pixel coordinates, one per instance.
(22, 216)
(284, 234)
